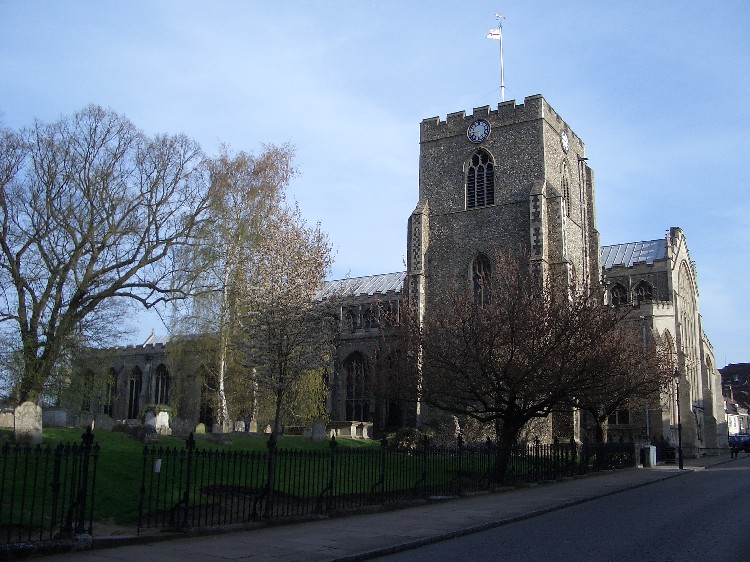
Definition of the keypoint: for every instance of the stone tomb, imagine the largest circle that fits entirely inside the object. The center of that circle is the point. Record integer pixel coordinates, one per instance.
(55, 416)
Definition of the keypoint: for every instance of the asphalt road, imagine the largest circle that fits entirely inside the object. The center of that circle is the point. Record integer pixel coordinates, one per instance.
(699, 516)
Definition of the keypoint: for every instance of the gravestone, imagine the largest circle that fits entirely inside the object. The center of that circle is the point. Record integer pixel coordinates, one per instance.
(162, 423)
(55, 416)
(104, 422)
(268, 429)
(319, 430)
(7, 419)
(28, 424)
(253, 426)
(239, 426)
(200, 428)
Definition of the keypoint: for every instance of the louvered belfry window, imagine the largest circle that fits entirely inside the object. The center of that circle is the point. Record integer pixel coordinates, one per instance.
(480, 180)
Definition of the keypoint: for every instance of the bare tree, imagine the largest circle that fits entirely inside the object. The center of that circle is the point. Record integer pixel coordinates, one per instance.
(92, 211)
(289, 333)
(625, 372)
(246, 192)
(507, 352)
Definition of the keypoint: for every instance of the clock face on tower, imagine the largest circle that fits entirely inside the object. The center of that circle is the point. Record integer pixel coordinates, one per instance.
(478, 130)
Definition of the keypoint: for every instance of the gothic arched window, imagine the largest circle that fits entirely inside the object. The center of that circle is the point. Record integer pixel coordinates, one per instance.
(109, 393)
(619, 295)
(480, 276)
(161, 385)
(357, 388)
(480, 180)
(565, 184)
(644, 292)
(134, 393)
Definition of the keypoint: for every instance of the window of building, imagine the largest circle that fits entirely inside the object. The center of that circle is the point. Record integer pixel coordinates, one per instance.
(480, 180)
(480, 274)
(566, 189)
(357, 388)
(618, 294)
(161, 385)
(134, 393)
(620, 417)
(107, 403)
(352, 319)
(644, 292)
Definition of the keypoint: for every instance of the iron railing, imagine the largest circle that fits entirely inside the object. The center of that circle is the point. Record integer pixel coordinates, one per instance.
(187, 487)
(47, 492)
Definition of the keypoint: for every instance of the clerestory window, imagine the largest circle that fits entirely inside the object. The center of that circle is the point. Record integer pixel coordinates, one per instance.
(619, 295)
(644, 292)
(480, 180)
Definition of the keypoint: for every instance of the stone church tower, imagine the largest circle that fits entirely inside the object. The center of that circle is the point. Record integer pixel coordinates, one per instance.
(511, 177)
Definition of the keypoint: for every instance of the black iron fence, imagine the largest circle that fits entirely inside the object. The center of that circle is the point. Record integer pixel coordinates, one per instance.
(186, 487)
(47, 492)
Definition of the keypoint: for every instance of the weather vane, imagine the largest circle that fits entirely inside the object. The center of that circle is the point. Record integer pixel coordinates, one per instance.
(497, 33)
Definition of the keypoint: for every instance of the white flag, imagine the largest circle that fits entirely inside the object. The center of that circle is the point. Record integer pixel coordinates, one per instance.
(495, 34)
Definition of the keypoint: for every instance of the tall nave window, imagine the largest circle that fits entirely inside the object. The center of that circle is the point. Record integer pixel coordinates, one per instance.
(480, 180)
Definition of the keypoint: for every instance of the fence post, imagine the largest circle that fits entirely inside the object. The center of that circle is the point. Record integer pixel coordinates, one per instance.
(271, 476)
(383, 447)
(460, 472)
(332, 471)
(88, 441)
(573, 456)
(537, 465)
(425, 444)
(190, 446)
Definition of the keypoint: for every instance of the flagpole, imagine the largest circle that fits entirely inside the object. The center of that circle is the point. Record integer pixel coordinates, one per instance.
(502, 67)
(498, 34)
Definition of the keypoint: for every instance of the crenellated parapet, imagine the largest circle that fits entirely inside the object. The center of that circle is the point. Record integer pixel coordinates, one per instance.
(506, 113)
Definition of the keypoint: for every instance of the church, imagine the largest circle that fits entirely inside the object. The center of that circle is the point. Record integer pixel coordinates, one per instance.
(515, 175)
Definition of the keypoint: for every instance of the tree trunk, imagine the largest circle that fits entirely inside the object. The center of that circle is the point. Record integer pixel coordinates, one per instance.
(506, 438)
(223, 345)
(601, 430)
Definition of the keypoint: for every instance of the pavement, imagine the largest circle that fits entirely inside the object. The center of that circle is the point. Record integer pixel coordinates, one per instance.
(368, 535)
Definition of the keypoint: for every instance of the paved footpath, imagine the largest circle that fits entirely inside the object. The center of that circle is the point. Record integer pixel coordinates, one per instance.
(360, 537)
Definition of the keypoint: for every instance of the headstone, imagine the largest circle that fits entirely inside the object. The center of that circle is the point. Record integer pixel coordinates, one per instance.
(104, 422)
(28, 424)
(83, 420)
(7, 419)
(200, 428)
(150, 419)
(268, 429)
(239, 425)
(162, 423)
(55, 416)
(318, 430)
(253, 426)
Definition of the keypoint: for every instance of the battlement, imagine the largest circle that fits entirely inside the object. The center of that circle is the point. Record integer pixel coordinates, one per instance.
(509, 112)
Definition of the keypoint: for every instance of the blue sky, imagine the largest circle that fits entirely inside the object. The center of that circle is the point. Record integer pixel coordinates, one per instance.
(658, 91)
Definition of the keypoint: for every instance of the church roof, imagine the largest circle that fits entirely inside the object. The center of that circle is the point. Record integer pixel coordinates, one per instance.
(631, 253)
(370, 285)
(156, 339)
